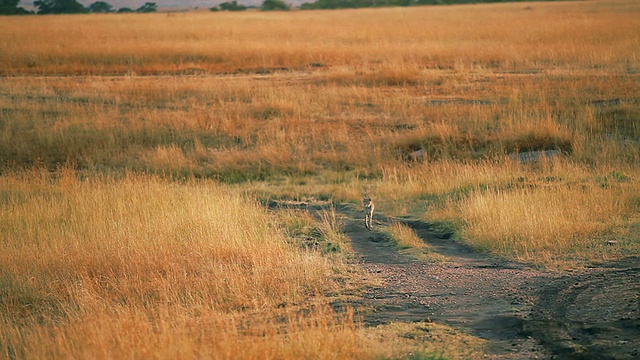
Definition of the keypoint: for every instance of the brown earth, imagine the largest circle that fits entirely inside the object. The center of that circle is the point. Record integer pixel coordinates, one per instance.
(522, 312)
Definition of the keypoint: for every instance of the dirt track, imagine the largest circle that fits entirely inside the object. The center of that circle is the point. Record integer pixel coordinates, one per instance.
(523, 313)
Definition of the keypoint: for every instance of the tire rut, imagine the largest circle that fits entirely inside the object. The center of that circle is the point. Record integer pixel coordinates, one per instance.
(483, 295)
(522, 312)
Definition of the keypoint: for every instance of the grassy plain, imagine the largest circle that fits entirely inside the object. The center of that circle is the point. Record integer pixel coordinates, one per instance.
(133, 147)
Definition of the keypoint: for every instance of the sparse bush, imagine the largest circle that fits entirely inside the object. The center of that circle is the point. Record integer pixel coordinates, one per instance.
(100, 7)
(148, 7)
(59, 7)
(232, 6)
(275, 5)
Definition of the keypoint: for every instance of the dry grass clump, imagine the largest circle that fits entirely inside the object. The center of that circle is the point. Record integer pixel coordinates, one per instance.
(409, 242)
(392, 76)
(438, 141)
(404, 236)
(563, 216)
(324, 234)
(176, 333)
(425, 340)
(620, 121)
(104, 266)
(530, 223)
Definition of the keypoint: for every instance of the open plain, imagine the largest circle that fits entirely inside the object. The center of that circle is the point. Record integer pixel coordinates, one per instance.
(189, 185)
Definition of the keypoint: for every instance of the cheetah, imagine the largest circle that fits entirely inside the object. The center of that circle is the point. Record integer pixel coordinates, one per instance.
(368, 212)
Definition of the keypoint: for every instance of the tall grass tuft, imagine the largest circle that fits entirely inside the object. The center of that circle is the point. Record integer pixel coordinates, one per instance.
(105, 266)
(565, 216)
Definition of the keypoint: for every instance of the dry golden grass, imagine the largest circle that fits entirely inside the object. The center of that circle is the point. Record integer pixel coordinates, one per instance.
(553, 213)
(89, 264)
(323, 104)
(451, 87)
(544, 223)
(240, 128)
(508, 36)
(147, 268)
(425, 341)
(404, 236)
(409, 242)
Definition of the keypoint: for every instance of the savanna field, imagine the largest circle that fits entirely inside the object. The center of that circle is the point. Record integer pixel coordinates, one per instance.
(139, 153)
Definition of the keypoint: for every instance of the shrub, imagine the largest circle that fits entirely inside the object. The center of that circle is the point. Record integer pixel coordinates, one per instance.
(275, 5)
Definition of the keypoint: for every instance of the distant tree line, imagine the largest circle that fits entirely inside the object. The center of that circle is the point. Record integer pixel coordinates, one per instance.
(267, 5)
(10, 7)
(354, 4)
(44, 7)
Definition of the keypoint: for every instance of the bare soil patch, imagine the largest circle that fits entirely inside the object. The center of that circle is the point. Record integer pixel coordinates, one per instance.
(523, 312)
